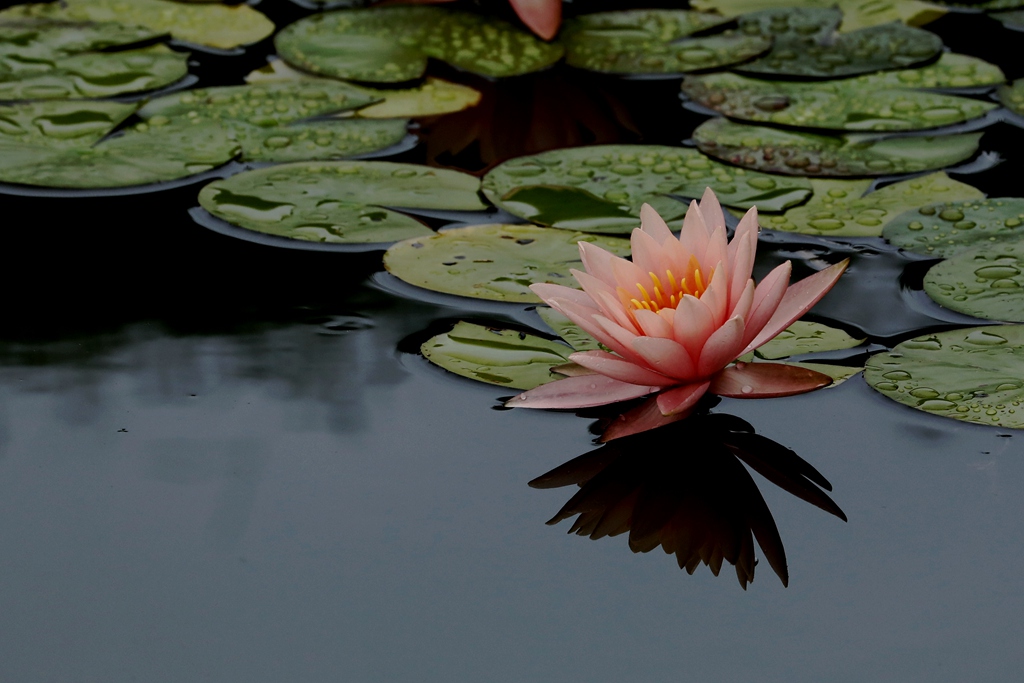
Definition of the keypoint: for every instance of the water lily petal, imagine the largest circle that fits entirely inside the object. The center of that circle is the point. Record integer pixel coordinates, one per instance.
(799, 299)
(675, 401)
(598, 262)
(644, 417)
(694, 234)
(579, 392)
(587, 319)
(652, 324)
(767, 297)
(742, 250)
(654, 225)
(547, 291)
(693, 324)
(667, 357)
(628, 275)
(744, 303)
(647, 254)
(717, 250)
(723, 347)
(603, 295)
(714, 218)
(613, 366)
(716, 296)
(614, 309)
(543, 17)
(621, 340)
(766, 380)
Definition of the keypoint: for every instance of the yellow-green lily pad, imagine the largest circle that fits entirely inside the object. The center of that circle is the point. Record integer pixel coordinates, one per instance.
(1012, 96)
(857, 14)
(806, 337)
(985, 282)
(946, 229)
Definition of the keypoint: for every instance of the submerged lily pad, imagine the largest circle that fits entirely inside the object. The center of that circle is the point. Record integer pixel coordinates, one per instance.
(839, 208)
(986, 282)
(654, 42)
(272, 121)
(974, 374)
(602, 187)
(857, 14)
(213, 25)
(806, 44)
(392, 44)
(1012, 96)
(806, 337)
(946, 229)
(504, 357)
(339, 202)
(495, 262)
(835, 105)
(798, 153)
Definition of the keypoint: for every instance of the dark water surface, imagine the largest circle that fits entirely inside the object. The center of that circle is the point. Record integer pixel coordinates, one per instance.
(220, 461)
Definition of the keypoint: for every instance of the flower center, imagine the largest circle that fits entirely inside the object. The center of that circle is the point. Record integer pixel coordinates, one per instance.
(667, 291)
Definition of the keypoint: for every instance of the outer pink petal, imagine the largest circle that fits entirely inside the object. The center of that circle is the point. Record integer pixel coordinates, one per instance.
(587, 319)
(674, 401)
(644, 417)
(622, 340)
(712, 210)
(628, 275)
(615, 367)
(693, 324)
(766, 380)
(654, 225)
(598, 262)
(612, 306)
(767, 297)
(579, 392)
(694, 235)
(799, 299)
(606, 298)
(744, 303)
(716, 296)
(741, 263)
(548, 291)
(652, 324)
(648, 255)
(543, 17)
(717, 250)
(667, 357)
(722, 347)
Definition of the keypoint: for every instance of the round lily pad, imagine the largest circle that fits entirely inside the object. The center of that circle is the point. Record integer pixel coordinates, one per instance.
(798, 153)
(392, 44)
(840, 208)
(1012, 96)
(602, 187)
(946, 229)
(213, 25)
(806, 337)
(507, 358)
(495, 262)
(974, 374)
(806, 44)
(60, 123)
(834, 105)
(654, 42)
(985, 282)
(951, 70)
(857, 14)
(340, 202)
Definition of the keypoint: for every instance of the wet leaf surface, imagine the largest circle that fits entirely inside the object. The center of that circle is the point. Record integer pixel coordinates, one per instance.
(806, 337)
(392, 44)
(857, 14)
(973, 374)
(1012, 96)
(809, 154)
(985, 282)
(339, 202)
(494, 262)
(946, 229)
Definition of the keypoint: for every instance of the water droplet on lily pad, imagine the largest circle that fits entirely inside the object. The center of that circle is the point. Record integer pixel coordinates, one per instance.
(985, 282)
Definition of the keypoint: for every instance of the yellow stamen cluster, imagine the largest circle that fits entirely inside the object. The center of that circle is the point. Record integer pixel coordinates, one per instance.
(659, 296)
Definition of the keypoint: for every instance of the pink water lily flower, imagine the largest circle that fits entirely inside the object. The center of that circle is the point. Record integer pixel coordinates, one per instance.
(676, 318)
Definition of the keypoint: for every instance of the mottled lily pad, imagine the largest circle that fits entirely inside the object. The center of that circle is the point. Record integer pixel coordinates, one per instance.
(212, 25)
(392, 44)
(806, 337)
(272, 121)
(798, 153)
(806, 44)
(943, 230)
(507, 358)
(834, 105)
(951, 70)
(341, 202)
(495, 262)
(857, 14)
(601, 188)
(840, 208)
(985, 282)
(654, 42)
(974, 374)
(60, 124)
(1012, 96)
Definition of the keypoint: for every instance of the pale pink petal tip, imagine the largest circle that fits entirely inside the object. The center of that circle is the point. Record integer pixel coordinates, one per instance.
(585, 391)
(766, 380)
(543, 17)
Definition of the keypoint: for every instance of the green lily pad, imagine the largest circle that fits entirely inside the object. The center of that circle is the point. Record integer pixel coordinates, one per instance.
(834, 105)
(985, 282)
(806, 44)
(1012, 96)
(943, 230)
(654, 42)
(495, 262)
(798, 153)
(213, 25)
(951, 70)
(271, 123)
(974, 374)
(572, 333)
(392, 44)
(60, 124)
(30, 39)
(339, 202)
(504, 357)
(602, 187)
(839, 208)
(806, 337)
(857, 14)
(1011, 19)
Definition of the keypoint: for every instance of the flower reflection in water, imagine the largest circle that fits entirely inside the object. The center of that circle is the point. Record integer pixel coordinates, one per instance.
(697, 501)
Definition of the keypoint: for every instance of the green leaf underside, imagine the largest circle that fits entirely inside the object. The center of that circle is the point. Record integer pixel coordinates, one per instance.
(946, 229)
(985, 282)
(339, 202)
(392, 44)
(835, 105)
(973, 374)
(839, 208)
(796, 153)
(503, 357)
(857, 14)
(1012, 96)
(572, 333)
(495, 262)
(601, 188)
(806, 337)
(654, 42)
(806, 44)
(214, 25)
